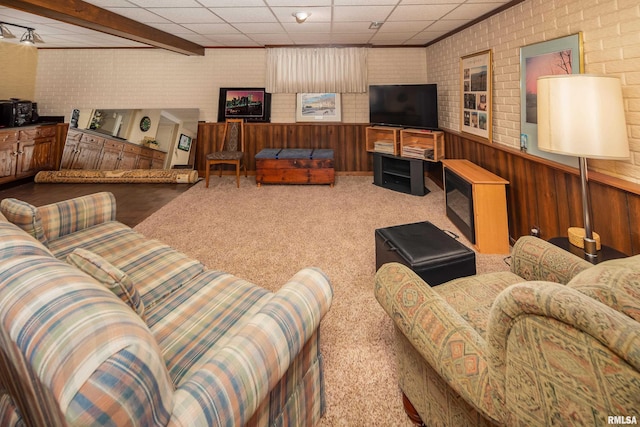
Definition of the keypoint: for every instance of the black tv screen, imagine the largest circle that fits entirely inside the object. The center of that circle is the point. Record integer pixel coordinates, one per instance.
(414, 106)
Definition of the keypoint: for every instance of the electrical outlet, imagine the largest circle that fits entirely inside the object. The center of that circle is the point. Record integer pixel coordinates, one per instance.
(535, 231)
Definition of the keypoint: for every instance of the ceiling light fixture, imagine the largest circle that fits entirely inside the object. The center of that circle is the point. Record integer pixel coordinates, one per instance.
(5, 33)
(30, 36)
(375, 25)
(301, 16)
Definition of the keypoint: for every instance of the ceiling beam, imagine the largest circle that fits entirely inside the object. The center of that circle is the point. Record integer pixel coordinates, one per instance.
(86, 15)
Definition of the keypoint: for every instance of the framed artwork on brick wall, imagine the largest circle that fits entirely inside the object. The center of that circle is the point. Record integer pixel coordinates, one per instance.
(314, 107)
(476, 89)
(558, 56)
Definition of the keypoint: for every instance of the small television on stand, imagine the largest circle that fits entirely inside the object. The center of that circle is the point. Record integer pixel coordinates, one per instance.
(410, 106)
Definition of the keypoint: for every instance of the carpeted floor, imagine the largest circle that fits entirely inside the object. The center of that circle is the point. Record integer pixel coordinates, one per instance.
(266, 234)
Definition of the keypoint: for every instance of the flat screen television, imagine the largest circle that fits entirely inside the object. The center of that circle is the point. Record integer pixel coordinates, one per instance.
(414, 106)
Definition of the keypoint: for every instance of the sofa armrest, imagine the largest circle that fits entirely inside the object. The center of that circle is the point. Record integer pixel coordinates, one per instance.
(446, 341)
(228, 388)
(68, 216)
(535, 259)
(546, 336)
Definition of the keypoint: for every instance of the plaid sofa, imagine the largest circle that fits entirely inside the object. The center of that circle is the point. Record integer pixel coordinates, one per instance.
(101, 326)
(555, 341)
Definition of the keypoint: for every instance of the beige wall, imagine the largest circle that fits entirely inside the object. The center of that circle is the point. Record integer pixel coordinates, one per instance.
(18, 64)
(149, 78)
(611, 32)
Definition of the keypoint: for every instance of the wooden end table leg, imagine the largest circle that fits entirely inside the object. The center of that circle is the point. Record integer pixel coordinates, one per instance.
(411, 411)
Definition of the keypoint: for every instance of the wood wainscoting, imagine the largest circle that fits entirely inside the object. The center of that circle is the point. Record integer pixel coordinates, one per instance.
(547, 194)
(540, 192)
(346, 139)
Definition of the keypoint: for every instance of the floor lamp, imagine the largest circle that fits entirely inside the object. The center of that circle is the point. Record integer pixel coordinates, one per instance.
(582, 115)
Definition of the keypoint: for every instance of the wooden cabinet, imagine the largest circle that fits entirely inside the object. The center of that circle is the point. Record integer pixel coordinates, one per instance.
(422, 144)
(25, 151)
(84, 150)
(489, 205)
(381, 139)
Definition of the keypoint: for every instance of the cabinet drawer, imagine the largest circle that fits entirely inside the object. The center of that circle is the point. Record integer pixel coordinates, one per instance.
(113, 145)
(74, 135)
(91, 139)
(8, 136)
(159, 155)
(133, 149)
(38, 132)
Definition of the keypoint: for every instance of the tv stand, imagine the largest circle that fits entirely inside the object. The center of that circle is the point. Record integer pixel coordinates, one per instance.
(399, 173)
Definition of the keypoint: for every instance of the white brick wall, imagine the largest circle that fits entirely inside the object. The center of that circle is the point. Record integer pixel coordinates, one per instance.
(611, 32)
(149, 78)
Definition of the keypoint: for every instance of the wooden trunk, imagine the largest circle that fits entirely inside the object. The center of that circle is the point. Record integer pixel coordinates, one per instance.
(295, 171)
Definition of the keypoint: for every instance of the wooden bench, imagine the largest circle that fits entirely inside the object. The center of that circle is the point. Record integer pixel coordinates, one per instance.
(295, 166)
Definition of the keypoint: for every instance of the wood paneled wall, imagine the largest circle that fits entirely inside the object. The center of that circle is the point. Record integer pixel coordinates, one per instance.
(541, 193)
(546, 194)
(346, 139)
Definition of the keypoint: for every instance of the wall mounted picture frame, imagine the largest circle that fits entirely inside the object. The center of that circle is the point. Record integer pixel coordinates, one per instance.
(184, 143)
(476, 101)
(250, 104)
(563, 55)
(318, 107)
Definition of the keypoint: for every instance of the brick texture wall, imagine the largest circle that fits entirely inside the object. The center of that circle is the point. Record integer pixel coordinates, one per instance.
(611, 34)
(148, 78)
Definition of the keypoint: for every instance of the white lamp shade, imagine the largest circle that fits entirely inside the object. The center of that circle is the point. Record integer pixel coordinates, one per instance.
(582, 115)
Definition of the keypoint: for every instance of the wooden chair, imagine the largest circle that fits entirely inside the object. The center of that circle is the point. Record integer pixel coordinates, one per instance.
(231, 151)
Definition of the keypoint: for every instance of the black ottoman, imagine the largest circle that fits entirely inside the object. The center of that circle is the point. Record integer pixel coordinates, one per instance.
(433, 254)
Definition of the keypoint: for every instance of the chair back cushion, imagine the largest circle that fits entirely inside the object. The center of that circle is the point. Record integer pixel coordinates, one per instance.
(613, 283)
(72, 353)
(233, 135)
(25, 216)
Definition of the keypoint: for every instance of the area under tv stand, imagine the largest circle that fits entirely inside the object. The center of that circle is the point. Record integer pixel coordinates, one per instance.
(397, 173)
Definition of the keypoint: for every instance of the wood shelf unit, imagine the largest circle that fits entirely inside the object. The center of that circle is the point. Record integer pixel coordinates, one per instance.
(489, 205)
(383, 133)
(431, 141)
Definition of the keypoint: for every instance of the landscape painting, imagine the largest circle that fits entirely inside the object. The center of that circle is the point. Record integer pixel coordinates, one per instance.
(554, 63)
(313, 107)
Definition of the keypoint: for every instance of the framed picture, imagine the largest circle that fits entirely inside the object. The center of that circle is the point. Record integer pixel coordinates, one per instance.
(314, 107)
(250, 104)
(559, 56)
(184, 143)
(476, 100)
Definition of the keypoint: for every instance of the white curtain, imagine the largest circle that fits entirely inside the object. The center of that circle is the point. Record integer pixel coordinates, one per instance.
(312, 70)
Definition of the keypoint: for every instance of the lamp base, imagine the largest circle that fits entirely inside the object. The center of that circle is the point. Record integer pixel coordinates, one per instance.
(577, 238)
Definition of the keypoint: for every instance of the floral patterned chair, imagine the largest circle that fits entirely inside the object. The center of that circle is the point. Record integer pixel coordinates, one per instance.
(555, 341)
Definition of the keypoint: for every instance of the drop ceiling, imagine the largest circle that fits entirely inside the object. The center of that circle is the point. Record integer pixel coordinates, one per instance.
(256, 23)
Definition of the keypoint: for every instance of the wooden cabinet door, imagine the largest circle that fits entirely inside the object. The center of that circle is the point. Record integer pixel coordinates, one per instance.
(26, 161)
(144, 162)
(129, 157)
(88, 156)
(69, 154)
(8, 155)
(110, 156)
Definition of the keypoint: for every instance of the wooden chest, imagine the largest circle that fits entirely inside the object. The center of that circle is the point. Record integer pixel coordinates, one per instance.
(295, 166)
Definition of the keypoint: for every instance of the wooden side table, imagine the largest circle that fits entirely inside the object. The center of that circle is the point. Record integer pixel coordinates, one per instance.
(605, 253)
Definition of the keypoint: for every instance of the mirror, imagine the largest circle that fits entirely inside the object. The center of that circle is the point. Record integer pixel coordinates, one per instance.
(161, 129)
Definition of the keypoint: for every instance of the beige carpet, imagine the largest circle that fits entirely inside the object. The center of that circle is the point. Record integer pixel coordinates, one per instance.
(266, 234)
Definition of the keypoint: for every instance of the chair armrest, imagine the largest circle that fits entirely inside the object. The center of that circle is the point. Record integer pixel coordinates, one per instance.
(535, 259)
(558, 326)
(68, 216)
(228, 388)
(445, 340)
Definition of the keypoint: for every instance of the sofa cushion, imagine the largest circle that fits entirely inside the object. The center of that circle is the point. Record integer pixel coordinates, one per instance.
(201, 317)
(613, 283)
(473, 296)
(113, 278)
(25, 216)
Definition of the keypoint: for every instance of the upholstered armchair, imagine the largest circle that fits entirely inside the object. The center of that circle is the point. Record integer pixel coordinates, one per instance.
(555, 341)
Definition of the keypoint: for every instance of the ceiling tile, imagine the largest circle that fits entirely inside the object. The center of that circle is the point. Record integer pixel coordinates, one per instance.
(166, 3)
(298, 3)
(187, 15)
(227, 3)
(355, 14)
(256, 28)
(472, 11)
(420, 12)
(137, 14)
(404, 26)
(244, 14)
